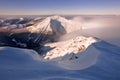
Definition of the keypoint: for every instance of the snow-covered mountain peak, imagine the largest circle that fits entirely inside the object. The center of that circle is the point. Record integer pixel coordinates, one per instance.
(56, 25)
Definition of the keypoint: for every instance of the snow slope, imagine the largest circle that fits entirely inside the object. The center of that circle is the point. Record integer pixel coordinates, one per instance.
(99, 61)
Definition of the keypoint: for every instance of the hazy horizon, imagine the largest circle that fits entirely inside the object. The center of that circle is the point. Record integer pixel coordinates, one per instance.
(60, 7)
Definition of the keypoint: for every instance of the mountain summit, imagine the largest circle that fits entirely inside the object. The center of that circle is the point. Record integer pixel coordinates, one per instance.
(56, 25)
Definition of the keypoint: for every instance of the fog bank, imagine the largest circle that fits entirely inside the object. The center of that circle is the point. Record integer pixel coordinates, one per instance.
(103, 27)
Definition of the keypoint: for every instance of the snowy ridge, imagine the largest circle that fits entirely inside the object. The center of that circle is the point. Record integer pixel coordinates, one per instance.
(55, 24)
(76, 53)
(72, 46)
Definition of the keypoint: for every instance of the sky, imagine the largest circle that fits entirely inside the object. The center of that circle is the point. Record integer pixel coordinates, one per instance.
(50, 7)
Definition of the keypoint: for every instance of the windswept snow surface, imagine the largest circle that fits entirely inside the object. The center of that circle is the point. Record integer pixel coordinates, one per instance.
(74, 54)
(99, 61)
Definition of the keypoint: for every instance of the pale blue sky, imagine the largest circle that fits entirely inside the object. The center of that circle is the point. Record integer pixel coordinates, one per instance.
(38, 7)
